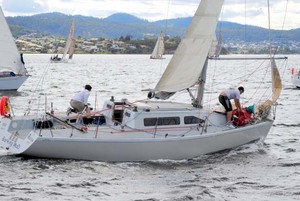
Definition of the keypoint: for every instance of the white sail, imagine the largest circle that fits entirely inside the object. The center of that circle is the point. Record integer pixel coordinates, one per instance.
(69, 41)
(276, 87)
(10, 56)
(183, 71)
(159, 48)
(72, 49)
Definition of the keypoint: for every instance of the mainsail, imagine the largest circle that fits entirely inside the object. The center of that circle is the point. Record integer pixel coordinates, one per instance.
(72, 49)
(69, 42)
(10, 56)
(183, 71)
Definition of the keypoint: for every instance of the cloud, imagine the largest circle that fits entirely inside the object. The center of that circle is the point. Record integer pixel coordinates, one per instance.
(22, 6)
(256, 11)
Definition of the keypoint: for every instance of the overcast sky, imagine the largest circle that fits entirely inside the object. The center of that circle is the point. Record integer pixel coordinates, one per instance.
(256, 11)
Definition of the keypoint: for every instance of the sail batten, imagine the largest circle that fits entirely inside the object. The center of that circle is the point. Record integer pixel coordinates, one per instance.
(183, 71)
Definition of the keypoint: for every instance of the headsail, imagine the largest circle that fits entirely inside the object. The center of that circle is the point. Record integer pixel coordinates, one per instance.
(187, 62)
(276, 87)
(10, 56)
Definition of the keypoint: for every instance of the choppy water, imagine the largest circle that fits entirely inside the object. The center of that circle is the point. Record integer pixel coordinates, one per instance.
(268, 172)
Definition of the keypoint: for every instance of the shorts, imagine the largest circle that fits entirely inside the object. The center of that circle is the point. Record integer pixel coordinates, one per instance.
(77, 105)
(226, 103)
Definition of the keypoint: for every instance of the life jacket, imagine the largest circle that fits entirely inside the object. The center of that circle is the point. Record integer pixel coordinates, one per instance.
(243, 117)
(4, 106)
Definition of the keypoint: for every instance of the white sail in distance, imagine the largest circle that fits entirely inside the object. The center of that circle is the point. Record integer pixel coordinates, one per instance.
(69, 41)
(159, 48)
(10, 56)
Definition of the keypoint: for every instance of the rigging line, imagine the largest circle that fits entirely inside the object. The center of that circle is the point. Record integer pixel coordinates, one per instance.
(245, 36)
(259, 87)
(269, 24)
(212, 83)
(285, 67)
(245, 27)
(246, 77)
(168, 9)
(283, 24)
(165, 33)
(250, 74)
(39, 83)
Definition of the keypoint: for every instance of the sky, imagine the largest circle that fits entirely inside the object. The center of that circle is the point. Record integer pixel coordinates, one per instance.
(284, 13)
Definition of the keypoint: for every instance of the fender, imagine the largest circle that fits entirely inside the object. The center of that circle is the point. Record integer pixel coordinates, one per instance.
(4, 106)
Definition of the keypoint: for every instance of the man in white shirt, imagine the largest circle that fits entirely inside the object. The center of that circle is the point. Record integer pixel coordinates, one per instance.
(80, 100)
(224, 99)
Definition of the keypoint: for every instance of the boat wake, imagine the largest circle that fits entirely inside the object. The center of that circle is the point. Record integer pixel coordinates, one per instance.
(287, 125)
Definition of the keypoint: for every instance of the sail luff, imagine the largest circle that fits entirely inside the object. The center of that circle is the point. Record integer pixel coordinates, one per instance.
(183, 71)
(10, 56)
(276, 81)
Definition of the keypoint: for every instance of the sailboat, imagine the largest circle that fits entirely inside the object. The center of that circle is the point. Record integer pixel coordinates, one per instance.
(69, 47)
(12, 69)
(216, 47)
(159, 48)
(296, 77)
(149, 129)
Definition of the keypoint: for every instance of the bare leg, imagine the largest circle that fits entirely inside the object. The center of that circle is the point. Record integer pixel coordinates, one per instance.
(88, 112)
(229, 115)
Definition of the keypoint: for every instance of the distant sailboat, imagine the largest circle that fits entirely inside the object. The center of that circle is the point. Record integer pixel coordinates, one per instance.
(159, 48)
(296, 77)
(216, 47)
(69, 48)
(12, 69)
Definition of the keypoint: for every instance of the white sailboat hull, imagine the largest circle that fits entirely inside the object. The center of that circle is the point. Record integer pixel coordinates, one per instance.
(296, 81)
(12, 83)
(143, 149)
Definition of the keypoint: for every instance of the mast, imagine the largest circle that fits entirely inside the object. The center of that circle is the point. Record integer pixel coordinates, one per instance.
(264, 108)
(198, 102)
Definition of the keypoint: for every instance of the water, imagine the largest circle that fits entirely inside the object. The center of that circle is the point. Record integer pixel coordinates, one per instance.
(268, 172)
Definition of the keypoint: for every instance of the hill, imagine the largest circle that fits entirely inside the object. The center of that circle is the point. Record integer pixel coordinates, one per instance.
(122, 24)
